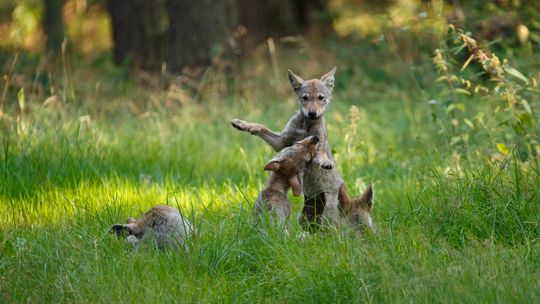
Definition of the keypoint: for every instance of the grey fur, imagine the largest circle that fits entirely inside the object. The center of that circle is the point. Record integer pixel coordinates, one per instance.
(321, 176)
(163, 225)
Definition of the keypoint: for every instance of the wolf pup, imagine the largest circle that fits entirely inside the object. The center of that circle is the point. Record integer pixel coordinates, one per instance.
(163, 224)
(287, 168)
(322, 182)
(358, 211)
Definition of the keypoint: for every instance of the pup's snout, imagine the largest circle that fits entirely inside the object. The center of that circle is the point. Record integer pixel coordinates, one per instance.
(315, 139)
(312, 115)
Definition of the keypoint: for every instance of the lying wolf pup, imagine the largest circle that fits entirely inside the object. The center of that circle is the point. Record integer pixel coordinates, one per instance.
(162, 224)
(358, 210)
(323, 186)
(287, 168)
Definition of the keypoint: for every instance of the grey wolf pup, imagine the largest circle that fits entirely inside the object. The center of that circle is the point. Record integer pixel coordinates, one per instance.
(162, 224)
(358, 210)
(322, 183)
(287, 168)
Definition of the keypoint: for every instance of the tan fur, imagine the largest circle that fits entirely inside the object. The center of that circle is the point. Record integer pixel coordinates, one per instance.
(163, 224)
(321, 182)
(287, 168)
(358, 210)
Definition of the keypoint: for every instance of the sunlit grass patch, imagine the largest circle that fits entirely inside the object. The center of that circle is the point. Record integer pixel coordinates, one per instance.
(115, 200)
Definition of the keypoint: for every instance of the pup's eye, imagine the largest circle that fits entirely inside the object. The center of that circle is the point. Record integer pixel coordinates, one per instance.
(304, 97)
(321, 97)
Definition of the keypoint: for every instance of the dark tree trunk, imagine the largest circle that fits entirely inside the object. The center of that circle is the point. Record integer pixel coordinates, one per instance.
(276, 18)
(267, 18)
(198, 30)
(137, 32)
(190, 32)
(53, 25)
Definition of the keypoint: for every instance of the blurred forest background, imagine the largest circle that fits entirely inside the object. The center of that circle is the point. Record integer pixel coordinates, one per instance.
(170, 36)
(150, 34)
(170, 45)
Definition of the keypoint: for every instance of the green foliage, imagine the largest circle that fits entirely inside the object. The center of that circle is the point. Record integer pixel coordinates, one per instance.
(25, 23)
(509, 94)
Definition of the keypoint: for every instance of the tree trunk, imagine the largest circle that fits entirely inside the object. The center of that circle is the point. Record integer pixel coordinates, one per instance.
(267, 18)
(190, 32)
(137, 32)
(198, 30)
(53, 25)
(276, 18)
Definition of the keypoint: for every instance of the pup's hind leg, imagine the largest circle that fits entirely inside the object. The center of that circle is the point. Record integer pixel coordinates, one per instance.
(278, 211)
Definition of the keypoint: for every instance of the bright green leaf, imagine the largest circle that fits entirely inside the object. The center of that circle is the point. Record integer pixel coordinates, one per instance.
(516, 74)
(21, 98)
(503, 148)
(441, 78)
(468, 123)
(525, 118)
(455, 140)
(526, 105)
(466, 63)
(455, 106)
(463, 91)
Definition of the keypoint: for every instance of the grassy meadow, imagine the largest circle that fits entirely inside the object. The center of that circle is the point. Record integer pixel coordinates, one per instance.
(454, 224)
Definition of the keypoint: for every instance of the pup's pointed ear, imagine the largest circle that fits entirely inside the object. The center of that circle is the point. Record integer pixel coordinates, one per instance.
(296, 185)
(366, 200)
(328, 79)
(272, 165)
(295, 80)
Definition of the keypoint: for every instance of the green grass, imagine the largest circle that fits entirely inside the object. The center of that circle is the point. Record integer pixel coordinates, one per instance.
(452, 227)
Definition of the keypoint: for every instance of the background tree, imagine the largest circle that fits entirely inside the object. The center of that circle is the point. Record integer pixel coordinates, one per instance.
(197, 30)
(53, 25)
(188, 33)
(137, 31)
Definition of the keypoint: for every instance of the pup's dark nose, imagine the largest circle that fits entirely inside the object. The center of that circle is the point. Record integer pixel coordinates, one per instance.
(312, 115)
(315, 139)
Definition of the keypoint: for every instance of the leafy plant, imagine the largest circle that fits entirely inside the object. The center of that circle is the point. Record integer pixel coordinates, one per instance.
(510, 93)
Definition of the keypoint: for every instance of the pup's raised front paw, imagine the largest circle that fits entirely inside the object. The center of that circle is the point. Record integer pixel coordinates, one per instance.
(239, 124)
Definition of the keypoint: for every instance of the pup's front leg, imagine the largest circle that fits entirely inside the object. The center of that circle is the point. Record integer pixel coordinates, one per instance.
(253, 128)
(273, 139)
(321, 158)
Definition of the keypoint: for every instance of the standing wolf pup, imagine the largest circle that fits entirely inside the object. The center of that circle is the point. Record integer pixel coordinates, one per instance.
(323, 186)
(162, 224)
(287, 168)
